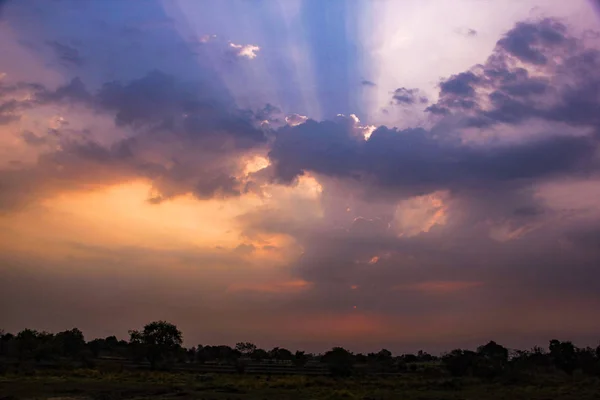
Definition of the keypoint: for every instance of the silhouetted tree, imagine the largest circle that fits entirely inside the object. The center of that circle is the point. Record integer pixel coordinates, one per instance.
(281, 354)
(242, 351)
(381, 361)
(259, 355)
(27, 343)
(563, 355)
(494, 351)
(109, 345)
(536, 358)
(384, 355)
(492, 360)
(425, 357)
(158, 340)
(217, 353)
(360, 358)
(300, 358)
(459, 362)
(96, 346)
(228, 354)
(6, 339)
(191, 354)
(111, 341)
(70, 343)
(48, 347)
(201, 354)
(340, 361)
(588, 361)
(245, 348)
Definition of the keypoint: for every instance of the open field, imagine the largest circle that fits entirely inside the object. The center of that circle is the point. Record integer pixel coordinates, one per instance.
(84, 384)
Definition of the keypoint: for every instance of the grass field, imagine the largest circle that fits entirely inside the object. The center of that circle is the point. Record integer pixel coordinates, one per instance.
(92, 384)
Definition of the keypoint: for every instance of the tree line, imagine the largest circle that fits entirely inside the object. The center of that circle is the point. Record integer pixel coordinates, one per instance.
(159, 345)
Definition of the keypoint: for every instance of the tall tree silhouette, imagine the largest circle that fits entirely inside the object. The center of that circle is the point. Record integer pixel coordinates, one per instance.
(158, 340)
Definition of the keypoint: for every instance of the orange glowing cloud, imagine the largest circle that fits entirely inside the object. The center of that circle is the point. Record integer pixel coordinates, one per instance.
(419, 214)
(120, 216)
(256, 164)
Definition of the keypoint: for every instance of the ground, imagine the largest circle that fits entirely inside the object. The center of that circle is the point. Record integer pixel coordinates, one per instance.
(92, 385)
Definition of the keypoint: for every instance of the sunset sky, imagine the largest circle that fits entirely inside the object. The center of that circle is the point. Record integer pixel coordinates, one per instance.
(398, 174)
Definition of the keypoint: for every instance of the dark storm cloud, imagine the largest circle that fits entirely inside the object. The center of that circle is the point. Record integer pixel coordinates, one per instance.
(460, 84)
(159, 100)
(408, 96)
(416, 161)
(456, 92)
(184, 141)
(525, 40)
(436, 109)
(500, 92)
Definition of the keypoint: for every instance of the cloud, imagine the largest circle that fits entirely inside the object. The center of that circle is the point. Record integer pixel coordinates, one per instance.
(468, 32)
(8, 111)
(268, 114)
(526, 40)
(537, 71)
(365, 82)
(408, 96)
(176, 131)
(414, 161)
(248, 51)
(479, 215)
(295, 119)
(17, 98)
(67, 54)
(32, 139)
(207, 38)
(244, 249)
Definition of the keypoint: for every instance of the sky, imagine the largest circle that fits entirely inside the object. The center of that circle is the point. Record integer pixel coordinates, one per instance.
(418, 174)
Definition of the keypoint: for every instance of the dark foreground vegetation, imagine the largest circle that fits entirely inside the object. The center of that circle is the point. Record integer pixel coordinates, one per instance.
(154, 364)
